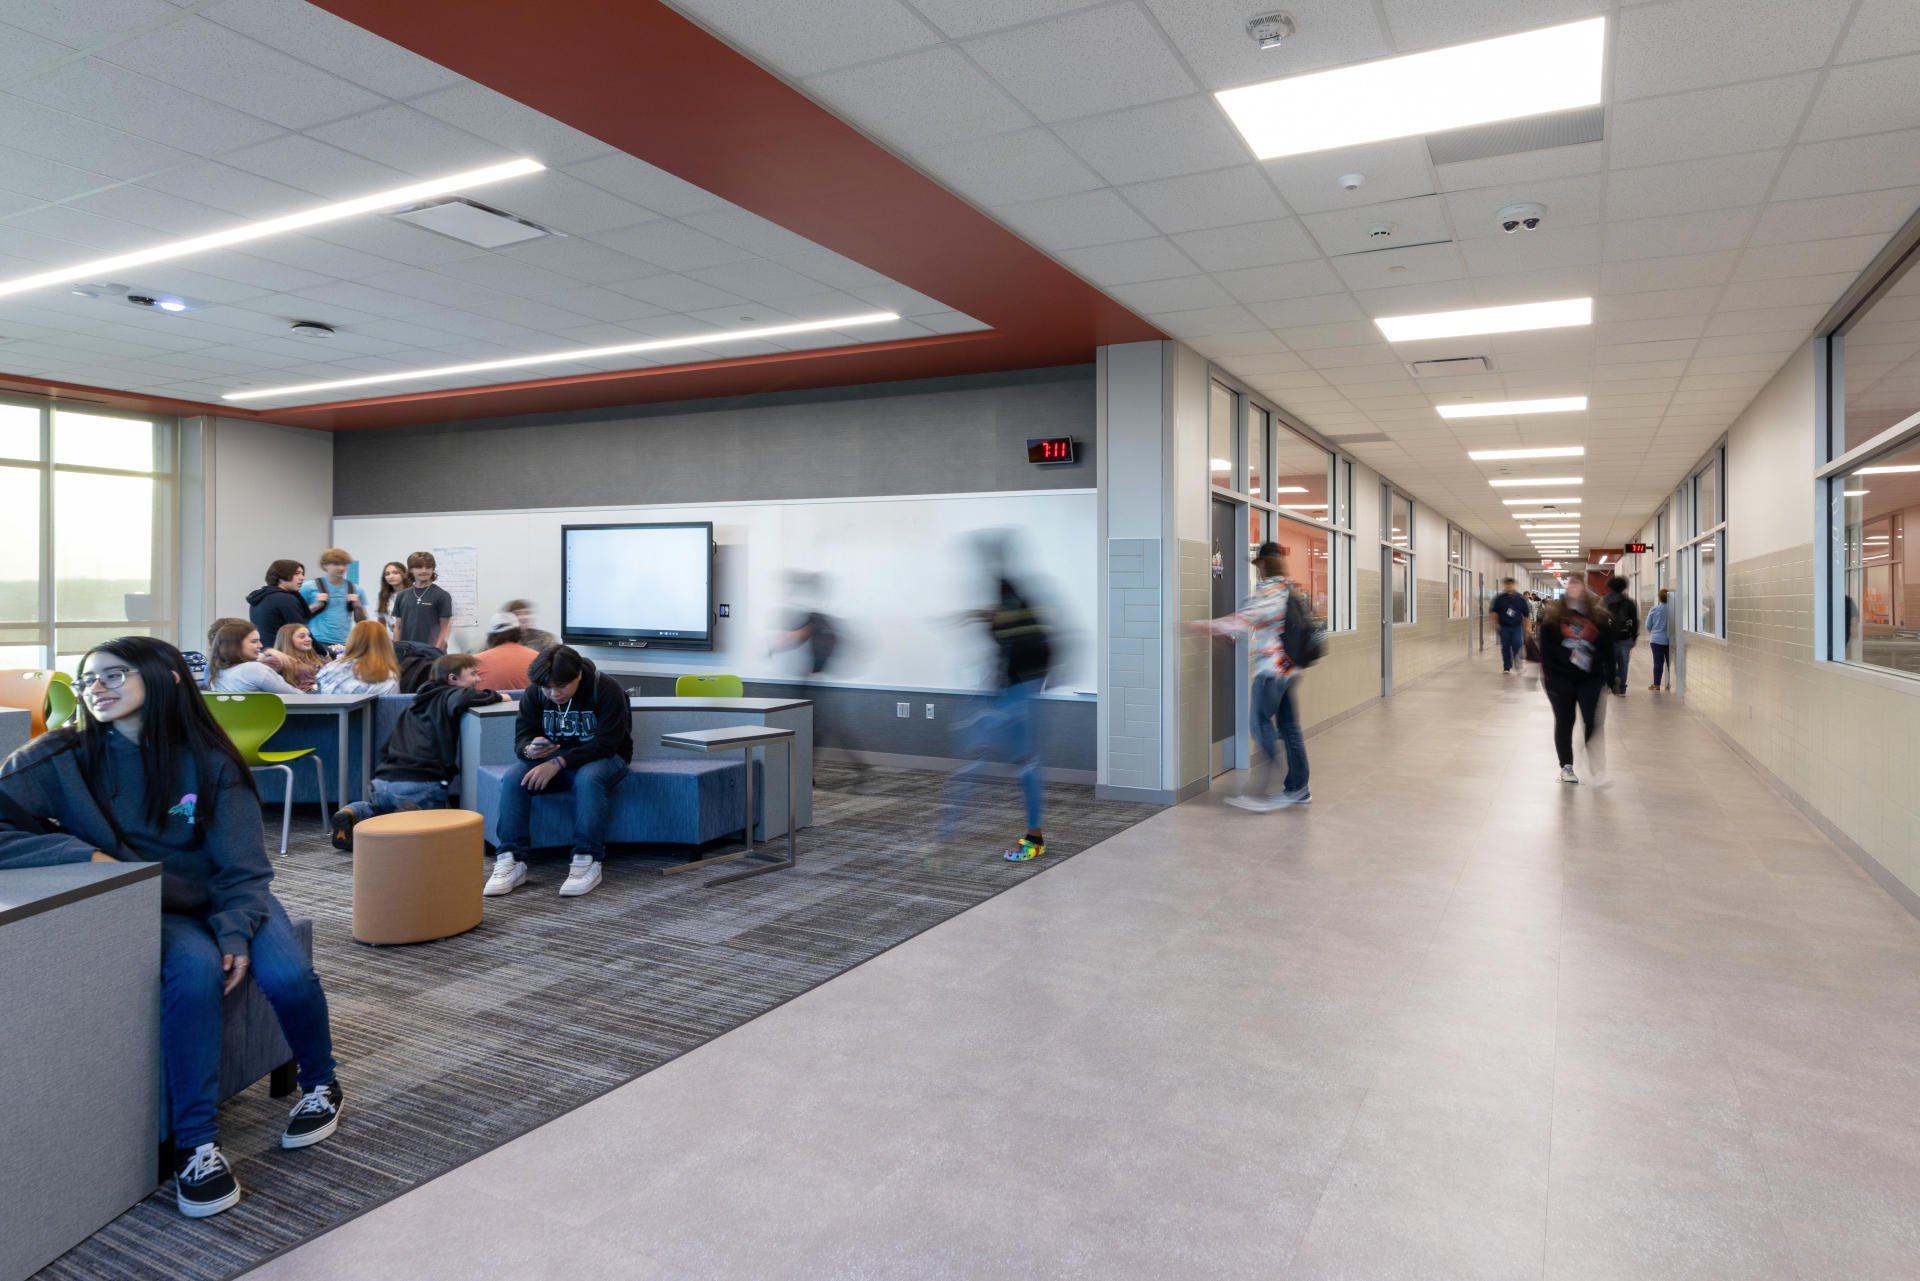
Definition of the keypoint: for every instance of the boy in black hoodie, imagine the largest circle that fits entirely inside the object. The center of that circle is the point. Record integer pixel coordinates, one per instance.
(279, 602)
(574, 731)
(423, 752)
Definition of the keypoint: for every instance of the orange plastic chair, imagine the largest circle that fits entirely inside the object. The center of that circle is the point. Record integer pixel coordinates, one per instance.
(27, 688)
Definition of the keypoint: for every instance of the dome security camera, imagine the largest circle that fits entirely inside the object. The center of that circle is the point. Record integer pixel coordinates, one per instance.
(1525, 216)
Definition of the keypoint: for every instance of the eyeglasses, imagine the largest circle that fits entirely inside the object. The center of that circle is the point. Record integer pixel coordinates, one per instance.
(112, 678)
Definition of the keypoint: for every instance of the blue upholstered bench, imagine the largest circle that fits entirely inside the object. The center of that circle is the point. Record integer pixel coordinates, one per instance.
(660, 801)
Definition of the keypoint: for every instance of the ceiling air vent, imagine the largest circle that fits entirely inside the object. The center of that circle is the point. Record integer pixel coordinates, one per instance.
(1451, 365)
(1510, 137)
(472, 223)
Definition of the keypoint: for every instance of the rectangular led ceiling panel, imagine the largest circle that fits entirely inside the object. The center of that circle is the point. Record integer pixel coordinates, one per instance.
(1553, 69)
(1510, 408)
(1542, 481)
(1562, 313)
(1501, 455)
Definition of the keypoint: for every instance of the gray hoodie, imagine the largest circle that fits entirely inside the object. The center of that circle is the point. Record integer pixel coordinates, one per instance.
(218, 873)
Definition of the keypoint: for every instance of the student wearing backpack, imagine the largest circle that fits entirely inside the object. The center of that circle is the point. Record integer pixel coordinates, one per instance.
(333, 598)
(1625, 619)
(1286, 640)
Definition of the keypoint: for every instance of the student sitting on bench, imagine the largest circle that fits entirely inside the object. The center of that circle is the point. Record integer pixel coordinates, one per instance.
(423, 753)
(574, 731)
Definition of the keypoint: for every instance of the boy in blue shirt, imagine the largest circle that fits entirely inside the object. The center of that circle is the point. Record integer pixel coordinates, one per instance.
(333, 599)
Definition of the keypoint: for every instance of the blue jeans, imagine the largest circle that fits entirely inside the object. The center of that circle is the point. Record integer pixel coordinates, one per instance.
(1004, 732)
(190, 1010)
(592, 786)
(1276, 720)
(1513, 645)
(391, 796)
(1622, 655)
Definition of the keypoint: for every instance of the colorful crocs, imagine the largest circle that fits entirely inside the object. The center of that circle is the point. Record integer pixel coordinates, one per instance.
(1026, 851)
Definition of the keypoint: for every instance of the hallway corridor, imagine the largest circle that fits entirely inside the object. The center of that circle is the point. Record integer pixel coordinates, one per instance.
(1455, 1020)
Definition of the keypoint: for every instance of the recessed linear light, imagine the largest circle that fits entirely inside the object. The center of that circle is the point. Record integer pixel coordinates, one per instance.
(1511, 408)
(1534, 502)
(1561, 314)
(320, 214)
(1306, 507)
(1534, 72)
(578, 353)
(1887, 471)
(1290, 489)
(1501, 455)
(1854, 493)
(1549, 480)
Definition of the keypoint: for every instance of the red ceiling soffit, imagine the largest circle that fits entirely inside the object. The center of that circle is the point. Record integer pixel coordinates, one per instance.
(640, 77)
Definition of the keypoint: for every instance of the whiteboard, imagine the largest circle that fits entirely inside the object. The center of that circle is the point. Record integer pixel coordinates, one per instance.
(894, 574)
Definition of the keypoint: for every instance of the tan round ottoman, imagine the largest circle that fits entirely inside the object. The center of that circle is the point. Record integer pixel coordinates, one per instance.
(417, 876)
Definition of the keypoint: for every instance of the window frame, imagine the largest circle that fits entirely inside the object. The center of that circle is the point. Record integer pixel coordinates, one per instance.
(1389, 495)
(46, 631)
(1688, 545)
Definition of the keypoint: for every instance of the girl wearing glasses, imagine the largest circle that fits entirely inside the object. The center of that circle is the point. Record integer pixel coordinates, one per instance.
(146, 775)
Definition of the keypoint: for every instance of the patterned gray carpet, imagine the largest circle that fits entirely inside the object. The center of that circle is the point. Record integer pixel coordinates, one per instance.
(450, 1049)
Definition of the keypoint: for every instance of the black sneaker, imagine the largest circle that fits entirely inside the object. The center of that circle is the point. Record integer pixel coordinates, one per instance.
(343, 821)
(203, 1183)
(314, 1117)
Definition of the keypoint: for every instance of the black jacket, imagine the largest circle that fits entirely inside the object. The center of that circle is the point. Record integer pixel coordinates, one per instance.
(1625, 615)
(272, 608)
(1568, 638)
(425, 744)
(595, 724)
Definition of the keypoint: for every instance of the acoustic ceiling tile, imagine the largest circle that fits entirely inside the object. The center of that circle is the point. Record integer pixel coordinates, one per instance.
(1657, 304)
(1882, 28)
(312, 166)
(1420, 24)
(675, 293)
(672, 245)
(1076, 220)
(1252, 342)
(1709, 231)
(333, 44)
(1547, 249)
(1083, 63)
(1282, 281)
(141, 108)
(1421, 220)
(1393, 170)
(644, 185)
(758, 280)
(801, 38)
(1130, 262)
(1212, 36)
(920, 99)
(1009, 168)
(1709, 122)
(1218, 198)
(1797, 291)
(603, 304)
(23, 54)
(1202, 321)
(580, 260)
(1774, 343)
(1800, 319)
(1569, 202)
(1523, 168)
(1180, 293)
(1303, 315)
(1861, 214)
(1809, 258)
(1254, 244)
(1690, 44)
(1720, 183)
(962, 18)
(1873, 163)
(1660, 274)
(1870, 97)
(1160, 140)
(1650, 330)
(1417, 264)
(218, 63)
(85, 23)
(413, 142)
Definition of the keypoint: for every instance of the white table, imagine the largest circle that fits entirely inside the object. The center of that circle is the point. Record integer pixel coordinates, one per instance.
(742, 738)
(342, 707)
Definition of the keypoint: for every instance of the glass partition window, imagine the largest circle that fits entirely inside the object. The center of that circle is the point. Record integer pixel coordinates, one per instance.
(1401, 587)
(1308, 551)
(1259, 425)
(1301, 472)
(1222, 438)
(1400, 521)
(1880, 359)
(1702, 559)
(1880, 505)
(84, 537)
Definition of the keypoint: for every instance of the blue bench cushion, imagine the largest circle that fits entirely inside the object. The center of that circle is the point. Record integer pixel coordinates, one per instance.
(662, 800)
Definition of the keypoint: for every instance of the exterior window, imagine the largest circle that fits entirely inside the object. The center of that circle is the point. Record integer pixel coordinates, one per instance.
(86, 504)
(1880, 505)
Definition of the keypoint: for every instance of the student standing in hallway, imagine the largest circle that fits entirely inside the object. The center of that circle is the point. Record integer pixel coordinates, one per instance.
(1510, 614)
(1576, 662)
(1658, 639)
(1263, 616)
(1625, 616)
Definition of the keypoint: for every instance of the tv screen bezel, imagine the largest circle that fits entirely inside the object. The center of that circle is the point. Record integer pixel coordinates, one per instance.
(635, 638)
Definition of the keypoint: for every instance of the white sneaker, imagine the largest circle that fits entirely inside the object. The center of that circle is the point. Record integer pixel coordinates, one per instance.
(582, 876)
(1254, 803)
(508, 872)
(1567, 775)
(1302, 797)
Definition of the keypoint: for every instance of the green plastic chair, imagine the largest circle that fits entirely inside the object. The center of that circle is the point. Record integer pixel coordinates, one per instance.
(61, 700)
(250, 720)
(708, 687)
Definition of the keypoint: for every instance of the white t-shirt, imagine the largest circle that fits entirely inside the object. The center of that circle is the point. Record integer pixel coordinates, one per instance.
(252, 678)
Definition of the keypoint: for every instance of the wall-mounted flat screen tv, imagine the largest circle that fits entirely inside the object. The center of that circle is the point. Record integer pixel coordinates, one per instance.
(637, 586)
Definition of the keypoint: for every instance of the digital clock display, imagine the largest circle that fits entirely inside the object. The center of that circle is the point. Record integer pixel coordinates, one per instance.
(1634, 549)
(1051, 451)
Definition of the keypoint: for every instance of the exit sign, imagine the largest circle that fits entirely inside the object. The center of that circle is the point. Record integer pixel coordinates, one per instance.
(1633, 548)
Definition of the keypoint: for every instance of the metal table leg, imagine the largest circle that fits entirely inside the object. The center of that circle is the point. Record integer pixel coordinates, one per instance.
(793, 855)
(748, 852)
(366, 752)
(340, 774)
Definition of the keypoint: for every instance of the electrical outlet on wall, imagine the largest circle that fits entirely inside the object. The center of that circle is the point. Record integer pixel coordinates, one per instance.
(929, 711)
(903, 710)
(725, 611)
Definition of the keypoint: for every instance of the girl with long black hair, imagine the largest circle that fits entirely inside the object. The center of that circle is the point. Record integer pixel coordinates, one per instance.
(147, 775)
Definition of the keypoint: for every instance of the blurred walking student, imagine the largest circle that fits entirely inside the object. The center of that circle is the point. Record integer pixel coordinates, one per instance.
(1624, 616)
(333, 599)
(815, 635)
(423, 752)
(1576, 661)
(530, 635)
(368, 665)
(504, 662)
(300, 661)
(234, 663)
(279, 602)
(393, 580)
(1658, 640)
(1284, 641)
(1510, 614)
(424, 610)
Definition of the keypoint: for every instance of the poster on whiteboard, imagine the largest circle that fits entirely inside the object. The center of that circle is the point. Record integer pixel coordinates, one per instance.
(459, 574)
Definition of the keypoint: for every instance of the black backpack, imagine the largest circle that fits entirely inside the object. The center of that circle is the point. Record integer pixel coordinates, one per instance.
(1625, 617)
(1302, 637)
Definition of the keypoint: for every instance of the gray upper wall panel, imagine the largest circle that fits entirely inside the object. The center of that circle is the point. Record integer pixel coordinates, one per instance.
(933, 436)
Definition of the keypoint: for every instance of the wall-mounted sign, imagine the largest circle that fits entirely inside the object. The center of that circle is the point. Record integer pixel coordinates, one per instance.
(1633, 548)
(1053, 451)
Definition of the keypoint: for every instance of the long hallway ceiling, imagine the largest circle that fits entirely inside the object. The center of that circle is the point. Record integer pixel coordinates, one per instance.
(1021, 179)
